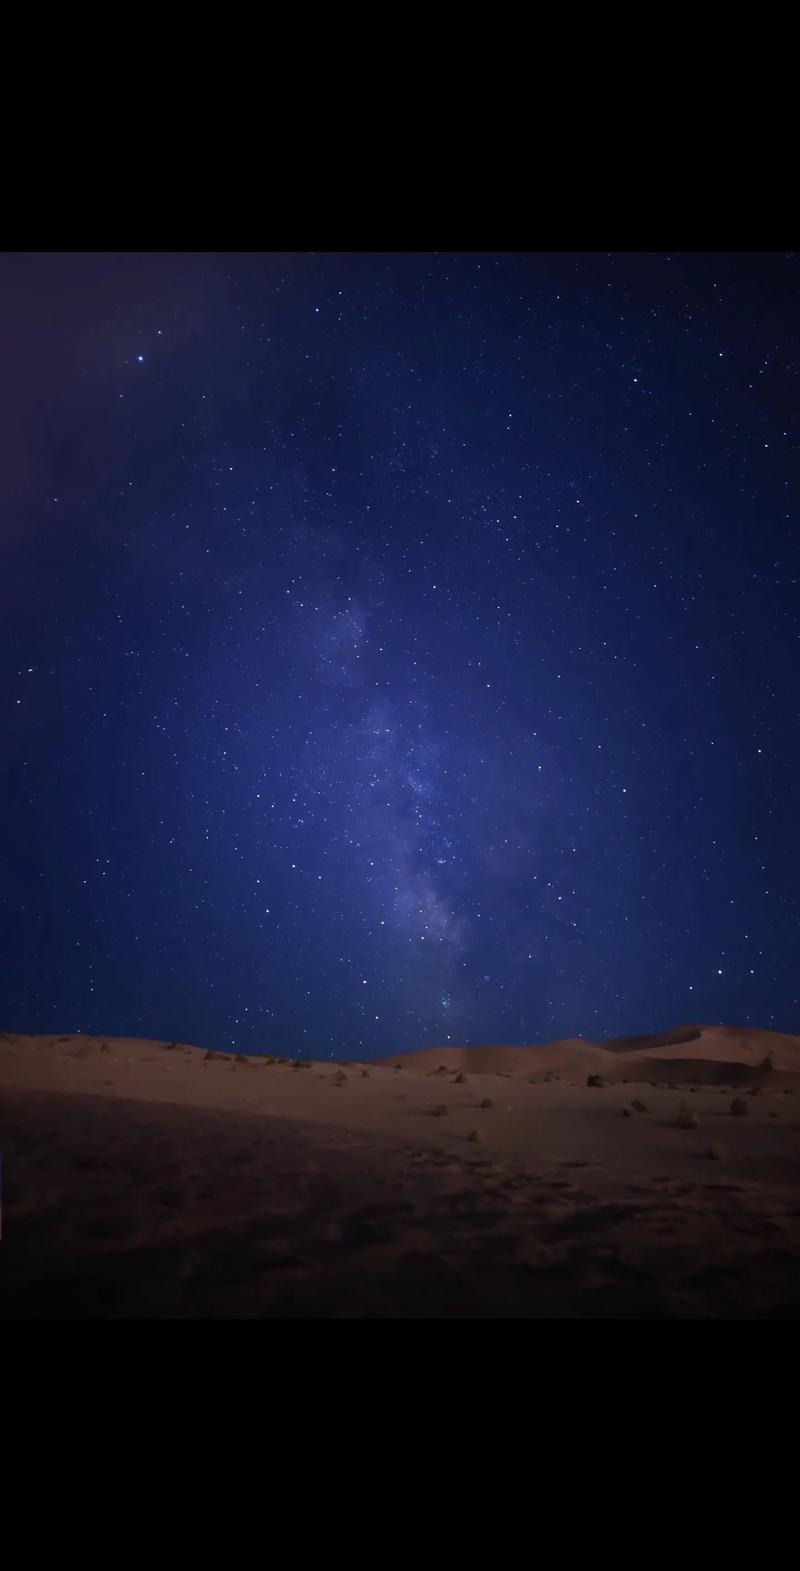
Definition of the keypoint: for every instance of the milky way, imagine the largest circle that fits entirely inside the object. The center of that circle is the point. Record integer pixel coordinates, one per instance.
(398, 649)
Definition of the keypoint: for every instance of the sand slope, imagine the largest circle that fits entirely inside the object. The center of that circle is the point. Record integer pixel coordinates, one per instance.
(144, 1178)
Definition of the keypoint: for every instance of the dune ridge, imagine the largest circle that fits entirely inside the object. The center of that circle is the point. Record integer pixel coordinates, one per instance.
(709, 1053)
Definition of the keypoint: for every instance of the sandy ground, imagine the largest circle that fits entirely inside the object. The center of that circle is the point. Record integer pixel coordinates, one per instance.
(142, 1179)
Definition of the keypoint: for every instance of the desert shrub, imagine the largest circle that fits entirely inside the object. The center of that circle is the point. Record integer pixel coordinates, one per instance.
(714, 1153)
(268, 1059)
(487, 1102)
(365, 1074)
(475, 1135)
(639, 1107)
(626, 1112)
(596, 1080)
(339, 1078)
(685, 1117)
(460, 1078)
(240, 1059)
(738, 1107)
(439, 1110)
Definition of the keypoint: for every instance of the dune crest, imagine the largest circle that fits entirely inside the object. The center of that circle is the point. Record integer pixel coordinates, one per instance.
(709, 1053)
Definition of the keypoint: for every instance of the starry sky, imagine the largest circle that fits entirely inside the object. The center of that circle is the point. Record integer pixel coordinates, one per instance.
(398, 648)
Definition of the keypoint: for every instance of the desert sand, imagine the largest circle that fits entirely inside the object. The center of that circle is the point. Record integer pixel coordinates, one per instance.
(152, 1179)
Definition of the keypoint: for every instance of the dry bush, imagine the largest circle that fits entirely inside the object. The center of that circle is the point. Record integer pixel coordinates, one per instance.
(685, 1117)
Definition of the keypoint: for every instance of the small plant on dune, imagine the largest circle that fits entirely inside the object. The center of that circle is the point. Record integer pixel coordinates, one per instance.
(442, 1070)
(439, 1110)
(596, 1080)
(738, 1107)
(268, 1059)
(209, 1055)
(487, 1102)
(475, 1135)
(460, 1079)
(639, 1107)
(301, 1063)
(714, 1153)
(240, 1059)
(339, 1078)
(282, 1060)
(104, 1047)
(365, 1074)
(686, 1117)
(626, 1112)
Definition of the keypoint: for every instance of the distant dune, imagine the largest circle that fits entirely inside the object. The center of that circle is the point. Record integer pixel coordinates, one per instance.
(705, 1054)
(630, 1044)
(569, 1056)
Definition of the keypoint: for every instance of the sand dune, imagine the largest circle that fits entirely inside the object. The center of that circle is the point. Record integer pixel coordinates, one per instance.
(632, 1044)
(570, 1055)
(686, 1049)
(151, 1178)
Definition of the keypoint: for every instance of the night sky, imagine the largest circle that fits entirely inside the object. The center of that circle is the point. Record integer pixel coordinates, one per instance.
(398, 648)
